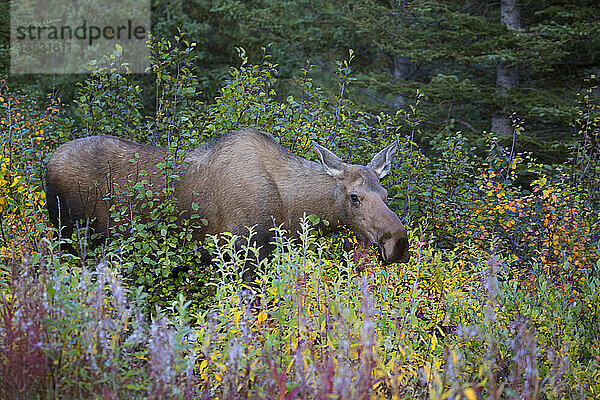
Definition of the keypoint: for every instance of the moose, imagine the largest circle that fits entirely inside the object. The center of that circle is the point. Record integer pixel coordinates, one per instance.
(242, 179)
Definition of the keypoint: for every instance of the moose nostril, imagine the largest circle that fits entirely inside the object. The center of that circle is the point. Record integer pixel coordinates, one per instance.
(384, 237)
(401, 250)
(394, 249)
(403, 243)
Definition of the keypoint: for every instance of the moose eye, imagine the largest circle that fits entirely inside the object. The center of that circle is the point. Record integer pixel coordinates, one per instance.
(354, 198)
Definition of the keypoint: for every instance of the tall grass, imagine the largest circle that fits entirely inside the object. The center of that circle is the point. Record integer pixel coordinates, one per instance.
(309, 327)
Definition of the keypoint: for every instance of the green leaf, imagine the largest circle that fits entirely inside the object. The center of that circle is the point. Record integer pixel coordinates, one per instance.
(314, 219)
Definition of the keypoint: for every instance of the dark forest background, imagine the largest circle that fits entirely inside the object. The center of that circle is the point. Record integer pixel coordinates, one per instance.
(476, 65)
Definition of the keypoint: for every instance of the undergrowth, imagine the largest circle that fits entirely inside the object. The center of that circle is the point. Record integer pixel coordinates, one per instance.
(448, 324)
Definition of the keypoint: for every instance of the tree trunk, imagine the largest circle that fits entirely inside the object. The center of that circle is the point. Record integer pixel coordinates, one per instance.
(507, 75)
(401, 71)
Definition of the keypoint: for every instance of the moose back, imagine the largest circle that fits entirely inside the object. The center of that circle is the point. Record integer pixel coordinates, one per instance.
(244, 178)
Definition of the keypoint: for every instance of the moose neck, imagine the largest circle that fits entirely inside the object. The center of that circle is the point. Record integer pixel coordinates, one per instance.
(308, 189)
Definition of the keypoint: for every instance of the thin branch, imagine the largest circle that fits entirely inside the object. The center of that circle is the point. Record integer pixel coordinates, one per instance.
(375, 97)
(445, 121)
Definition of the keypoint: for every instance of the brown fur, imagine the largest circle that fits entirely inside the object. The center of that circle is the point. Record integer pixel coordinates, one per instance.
(245, 178)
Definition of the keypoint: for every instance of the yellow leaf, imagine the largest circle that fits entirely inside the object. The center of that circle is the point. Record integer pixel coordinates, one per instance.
(402, 351)
(289, 367)
(470, 394)
(203, 365)
(15, 181)
(236, 317)
(427, 370)
(262, 316)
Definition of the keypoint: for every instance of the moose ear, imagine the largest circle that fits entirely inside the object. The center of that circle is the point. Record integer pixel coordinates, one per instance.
(332, 163)
(382, 162)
